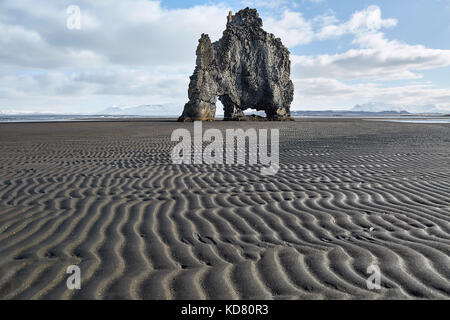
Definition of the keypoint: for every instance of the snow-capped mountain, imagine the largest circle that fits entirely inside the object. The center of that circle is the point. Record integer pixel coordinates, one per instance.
(380, 107)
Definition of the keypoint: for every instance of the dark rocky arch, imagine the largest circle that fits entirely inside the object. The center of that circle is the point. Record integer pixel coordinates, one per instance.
(247, 68)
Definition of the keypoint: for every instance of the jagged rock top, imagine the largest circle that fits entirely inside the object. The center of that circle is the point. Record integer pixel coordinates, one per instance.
(248, 18)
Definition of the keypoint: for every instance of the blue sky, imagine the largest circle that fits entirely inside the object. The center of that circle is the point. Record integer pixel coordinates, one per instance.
(136, 52)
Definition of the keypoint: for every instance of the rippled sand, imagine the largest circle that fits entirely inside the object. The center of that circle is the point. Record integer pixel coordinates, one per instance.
(106, 197)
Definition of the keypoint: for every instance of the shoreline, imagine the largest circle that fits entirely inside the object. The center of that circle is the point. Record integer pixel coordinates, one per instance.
(73, 118)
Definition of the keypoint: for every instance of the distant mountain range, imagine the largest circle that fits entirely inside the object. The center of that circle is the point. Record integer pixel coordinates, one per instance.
(174, 110)
(322, 113)
(372, 109)
(383, 107)
(19, 112)
(143, 110)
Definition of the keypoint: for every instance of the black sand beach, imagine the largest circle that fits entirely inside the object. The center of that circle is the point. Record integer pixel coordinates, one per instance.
(105, 196)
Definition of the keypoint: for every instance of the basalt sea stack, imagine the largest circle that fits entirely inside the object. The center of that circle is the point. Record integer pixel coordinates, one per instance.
(247, 68)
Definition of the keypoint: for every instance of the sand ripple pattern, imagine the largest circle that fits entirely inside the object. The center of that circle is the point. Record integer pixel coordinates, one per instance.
(106, 197)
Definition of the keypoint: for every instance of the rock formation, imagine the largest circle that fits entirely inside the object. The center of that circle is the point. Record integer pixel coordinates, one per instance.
(247, 68)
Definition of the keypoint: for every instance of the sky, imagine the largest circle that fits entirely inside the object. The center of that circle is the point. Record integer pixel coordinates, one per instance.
(141, 52)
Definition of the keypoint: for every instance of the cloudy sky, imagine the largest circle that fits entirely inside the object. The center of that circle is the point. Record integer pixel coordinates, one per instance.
(133, 52)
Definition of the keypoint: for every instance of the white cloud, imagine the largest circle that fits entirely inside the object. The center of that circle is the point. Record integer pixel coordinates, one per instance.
(361, 21)
(134, 51)
(154, 85)
(293, 29)
(378, 59)
(131, 32)
(27, 48)
(375, 57)
(324, 92)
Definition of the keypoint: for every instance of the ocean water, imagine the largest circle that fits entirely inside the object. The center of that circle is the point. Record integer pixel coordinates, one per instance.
(431, 120)
(56, 118)
(423, 121)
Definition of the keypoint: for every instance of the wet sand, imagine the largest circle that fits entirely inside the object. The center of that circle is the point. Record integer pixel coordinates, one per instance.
(105, 196)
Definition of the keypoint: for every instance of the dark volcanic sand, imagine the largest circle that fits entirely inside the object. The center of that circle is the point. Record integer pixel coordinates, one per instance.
(105, 196)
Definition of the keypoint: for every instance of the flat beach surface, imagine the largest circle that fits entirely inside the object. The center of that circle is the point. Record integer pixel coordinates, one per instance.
(105, 196)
